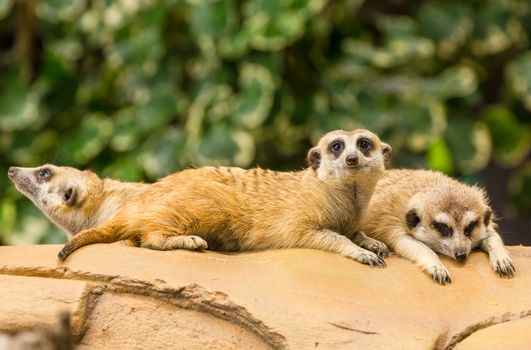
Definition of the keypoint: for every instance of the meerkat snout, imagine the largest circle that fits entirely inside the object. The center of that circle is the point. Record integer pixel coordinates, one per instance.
(11, 171)
(461, 256)
(352, 160)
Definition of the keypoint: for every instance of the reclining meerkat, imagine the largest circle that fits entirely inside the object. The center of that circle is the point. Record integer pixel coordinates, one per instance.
(223, 208)
(420, 212)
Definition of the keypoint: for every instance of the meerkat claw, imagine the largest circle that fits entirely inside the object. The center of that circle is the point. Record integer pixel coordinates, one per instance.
(372, 260)
(504, 268)
(380, 249)
(440, 275)
(198, 243)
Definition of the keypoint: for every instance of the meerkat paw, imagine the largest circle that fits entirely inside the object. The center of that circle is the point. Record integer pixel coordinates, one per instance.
(375, 246)
(378, 248)
(503, 266)
(194, 243)
(157, 241)
(368, 258)
(440, 274)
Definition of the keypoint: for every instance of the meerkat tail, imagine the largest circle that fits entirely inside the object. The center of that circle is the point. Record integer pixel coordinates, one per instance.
(371, 244)
(416, 251)
(161, 241)
(334, 242)
(498, 255)
(102, 234)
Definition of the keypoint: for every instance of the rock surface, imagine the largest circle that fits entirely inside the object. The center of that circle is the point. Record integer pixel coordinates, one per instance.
(124, 297)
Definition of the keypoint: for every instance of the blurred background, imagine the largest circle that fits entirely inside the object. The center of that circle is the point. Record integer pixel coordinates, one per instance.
(137, 89)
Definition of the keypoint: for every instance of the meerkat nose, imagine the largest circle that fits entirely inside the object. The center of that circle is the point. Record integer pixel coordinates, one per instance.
(460, 256)
(11, 171)
(352, 160)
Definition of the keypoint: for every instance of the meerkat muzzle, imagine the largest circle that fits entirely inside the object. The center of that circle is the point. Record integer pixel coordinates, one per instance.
(460, 256)
(352, 160)
(11, 172)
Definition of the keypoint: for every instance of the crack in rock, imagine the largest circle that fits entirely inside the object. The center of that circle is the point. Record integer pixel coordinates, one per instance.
(191, 297)
(445, 341)
(351, 329)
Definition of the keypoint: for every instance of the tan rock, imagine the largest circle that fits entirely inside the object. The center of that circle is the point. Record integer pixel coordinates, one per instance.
(125, 298)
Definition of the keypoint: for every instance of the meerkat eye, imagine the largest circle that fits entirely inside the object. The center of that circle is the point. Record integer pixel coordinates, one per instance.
(336, 146)
(470, 228)
(364, 144)
(44, 174)
(443, 229)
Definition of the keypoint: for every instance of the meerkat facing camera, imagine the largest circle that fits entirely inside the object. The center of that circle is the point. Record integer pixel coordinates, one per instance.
(420, 212)
(222, 208)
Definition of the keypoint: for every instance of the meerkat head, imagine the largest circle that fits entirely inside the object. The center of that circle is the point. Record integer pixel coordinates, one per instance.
(451, 219)
(61, 193)
(341, 153)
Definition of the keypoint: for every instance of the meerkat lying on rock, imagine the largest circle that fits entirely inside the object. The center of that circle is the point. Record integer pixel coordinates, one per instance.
(420, 212)
(223, 208)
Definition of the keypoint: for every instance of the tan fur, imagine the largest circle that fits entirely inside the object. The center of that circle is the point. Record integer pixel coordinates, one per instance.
(433, 197)
(231, 209)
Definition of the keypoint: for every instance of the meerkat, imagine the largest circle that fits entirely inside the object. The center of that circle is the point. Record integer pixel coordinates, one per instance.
(419, 213)
(223, 208)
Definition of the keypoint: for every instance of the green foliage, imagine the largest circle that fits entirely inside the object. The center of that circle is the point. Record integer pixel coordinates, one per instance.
(138, 89)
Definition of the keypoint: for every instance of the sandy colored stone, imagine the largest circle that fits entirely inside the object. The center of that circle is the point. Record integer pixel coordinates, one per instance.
(163, 325)
(29, 301)
(295, 299)
(508, 335)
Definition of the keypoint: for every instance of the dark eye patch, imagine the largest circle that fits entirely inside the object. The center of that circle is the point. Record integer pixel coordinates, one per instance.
(336, 147)
(43, 174)
(365, 145)
(444, 230)
(470, 227)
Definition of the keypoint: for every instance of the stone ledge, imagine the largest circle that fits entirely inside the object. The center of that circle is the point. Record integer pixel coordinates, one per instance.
(122, 296)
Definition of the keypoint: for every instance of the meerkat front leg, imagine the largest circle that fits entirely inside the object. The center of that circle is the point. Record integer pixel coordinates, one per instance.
(416, 251)
(498, 255)
(103, 234)
(371, 244)
(334, 242)
(161, 241)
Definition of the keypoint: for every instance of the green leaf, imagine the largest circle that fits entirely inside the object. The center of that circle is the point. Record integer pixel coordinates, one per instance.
(162, 153)
(520, 190)
(216, 148)
(19, 106)
(510, 138)
(449, 25)
(439, 157)
(88, 141)
(453, 82)
(519, 76)
(470, 143)
(257, 93)
(5, 7)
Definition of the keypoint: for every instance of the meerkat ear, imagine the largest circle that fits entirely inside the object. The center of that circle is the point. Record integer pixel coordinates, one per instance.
(486, 216)
(70, 196)
(387, 152)
(314, 158)
(412, 218)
